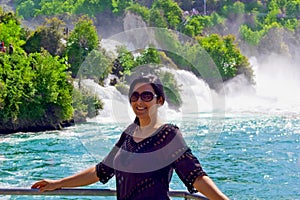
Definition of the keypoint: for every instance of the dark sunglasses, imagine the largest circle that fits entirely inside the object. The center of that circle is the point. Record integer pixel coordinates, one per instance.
(145, 96)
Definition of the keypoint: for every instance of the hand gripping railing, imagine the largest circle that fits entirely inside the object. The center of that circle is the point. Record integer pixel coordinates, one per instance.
(88, 192)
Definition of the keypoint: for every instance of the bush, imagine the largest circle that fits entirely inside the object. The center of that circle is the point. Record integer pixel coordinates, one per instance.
(169, 10)
(83, 39)
(85, 105)
(172, 90)
(140, 10)
(34, 84)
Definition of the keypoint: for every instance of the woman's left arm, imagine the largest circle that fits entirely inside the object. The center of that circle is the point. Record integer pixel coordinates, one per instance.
(206, 186)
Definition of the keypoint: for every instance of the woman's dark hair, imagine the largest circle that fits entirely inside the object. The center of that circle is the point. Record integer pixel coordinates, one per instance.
(156, 84)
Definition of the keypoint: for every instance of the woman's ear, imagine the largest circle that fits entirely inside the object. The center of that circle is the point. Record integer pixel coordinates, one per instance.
(160, 101)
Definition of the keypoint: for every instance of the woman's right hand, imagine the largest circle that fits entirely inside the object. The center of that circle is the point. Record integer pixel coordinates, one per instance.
(83, 178)
(46, 184)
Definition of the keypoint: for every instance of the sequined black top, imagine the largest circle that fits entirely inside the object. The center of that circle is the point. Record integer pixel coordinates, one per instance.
(143, 169)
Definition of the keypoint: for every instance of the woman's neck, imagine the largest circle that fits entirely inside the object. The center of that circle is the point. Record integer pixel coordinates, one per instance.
(148, 122)
(147, 128)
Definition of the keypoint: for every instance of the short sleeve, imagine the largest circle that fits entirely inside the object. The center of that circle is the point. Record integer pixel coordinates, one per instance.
(188, 168)
(104, 172)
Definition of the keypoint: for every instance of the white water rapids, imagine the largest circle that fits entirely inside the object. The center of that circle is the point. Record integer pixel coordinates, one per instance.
(275, 93)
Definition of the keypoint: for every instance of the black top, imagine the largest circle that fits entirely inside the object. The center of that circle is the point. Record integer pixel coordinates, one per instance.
(143, 169)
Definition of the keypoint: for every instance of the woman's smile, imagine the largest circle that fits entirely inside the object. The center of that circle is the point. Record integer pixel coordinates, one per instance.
(144, 109)
(141, 108)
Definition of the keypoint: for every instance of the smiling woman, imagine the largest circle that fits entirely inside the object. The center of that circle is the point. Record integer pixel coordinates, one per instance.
(145, 98)
(146, 154)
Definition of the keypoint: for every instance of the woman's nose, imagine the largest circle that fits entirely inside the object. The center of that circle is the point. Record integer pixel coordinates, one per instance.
(139, 99)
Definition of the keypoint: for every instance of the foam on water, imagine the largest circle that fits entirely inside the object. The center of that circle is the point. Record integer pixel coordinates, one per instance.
(275, 92)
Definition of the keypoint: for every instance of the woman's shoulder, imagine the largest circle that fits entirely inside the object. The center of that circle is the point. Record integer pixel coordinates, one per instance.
(130, 129)
(128, 132)
(169, 128)
(166, 133)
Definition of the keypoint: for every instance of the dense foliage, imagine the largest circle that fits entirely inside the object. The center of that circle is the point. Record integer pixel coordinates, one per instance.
(33, 8)
(126, 62)
(33, 87)
(10, 29)
(36, 90)
(193, 18)
(48, 36)
(83, 39)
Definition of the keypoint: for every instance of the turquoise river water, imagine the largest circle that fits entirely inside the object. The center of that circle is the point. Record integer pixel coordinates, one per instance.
(252, 157)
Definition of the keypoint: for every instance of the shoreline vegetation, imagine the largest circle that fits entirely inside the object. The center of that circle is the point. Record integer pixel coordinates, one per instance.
(45, 45)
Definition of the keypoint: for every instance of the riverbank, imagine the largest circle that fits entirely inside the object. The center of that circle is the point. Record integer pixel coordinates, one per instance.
(29, 125)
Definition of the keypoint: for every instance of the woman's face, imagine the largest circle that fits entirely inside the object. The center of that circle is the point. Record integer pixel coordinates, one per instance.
(142, 108)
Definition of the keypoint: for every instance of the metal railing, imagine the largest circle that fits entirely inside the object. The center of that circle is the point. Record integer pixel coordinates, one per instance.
(88, 192)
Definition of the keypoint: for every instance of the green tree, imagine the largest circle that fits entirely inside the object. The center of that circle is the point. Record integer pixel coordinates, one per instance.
(91, 7)
(51, 8)
(251, 37)
(51, 83)
(85, 104)
(141, 10)
(293, 9)
(14, 77)
(83, 39)
(25, 9)
(156, 19)
(34, 86)
(172, 89)
(96, 65)
(193, 27)
(118, 6)
(196, 24)
(226, 55)
(232, 10)
(48, 36)
(170, 11)
(10, 29)
(148, 56)
(126, 60)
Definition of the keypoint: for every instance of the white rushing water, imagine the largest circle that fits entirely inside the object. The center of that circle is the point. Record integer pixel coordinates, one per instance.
(275, 92)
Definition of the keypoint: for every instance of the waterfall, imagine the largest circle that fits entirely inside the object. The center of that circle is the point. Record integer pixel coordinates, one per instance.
(195, 93)
(275, 92)
(116, 106)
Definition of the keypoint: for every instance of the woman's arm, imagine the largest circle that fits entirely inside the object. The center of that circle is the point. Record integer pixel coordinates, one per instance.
(83, 178)
(207, 187)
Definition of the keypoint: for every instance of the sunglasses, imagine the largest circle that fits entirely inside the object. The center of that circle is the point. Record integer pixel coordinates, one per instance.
(145, 96)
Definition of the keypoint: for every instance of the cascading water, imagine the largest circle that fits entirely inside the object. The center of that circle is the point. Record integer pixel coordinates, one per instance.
(274, 92)
(195, 93)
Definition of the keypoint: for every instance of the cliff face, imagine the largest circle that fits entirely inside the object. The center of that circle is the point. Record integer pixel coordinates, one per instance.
(7, 5)
(108, 24)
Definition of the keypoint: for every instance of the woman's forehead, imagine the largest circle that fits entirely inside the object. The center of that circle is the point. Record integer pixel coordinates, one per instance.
(143, 87)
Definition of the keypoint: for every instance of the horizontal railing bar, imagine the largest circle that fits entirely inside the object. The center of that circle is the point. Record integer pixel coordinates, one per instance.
(87, 192)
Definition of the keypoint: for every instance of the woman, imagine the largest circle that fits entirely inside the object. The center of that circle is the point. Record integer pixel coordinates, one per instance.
(146, 154)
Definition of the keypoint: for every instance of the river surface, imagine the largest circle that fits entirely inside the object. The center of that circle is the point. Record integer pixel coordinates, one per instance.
(253, 156)
(251, 150)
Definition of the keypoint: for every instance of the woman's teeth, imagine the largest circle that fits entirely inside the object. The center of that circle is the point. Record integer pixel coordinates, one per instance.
(140, 108)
